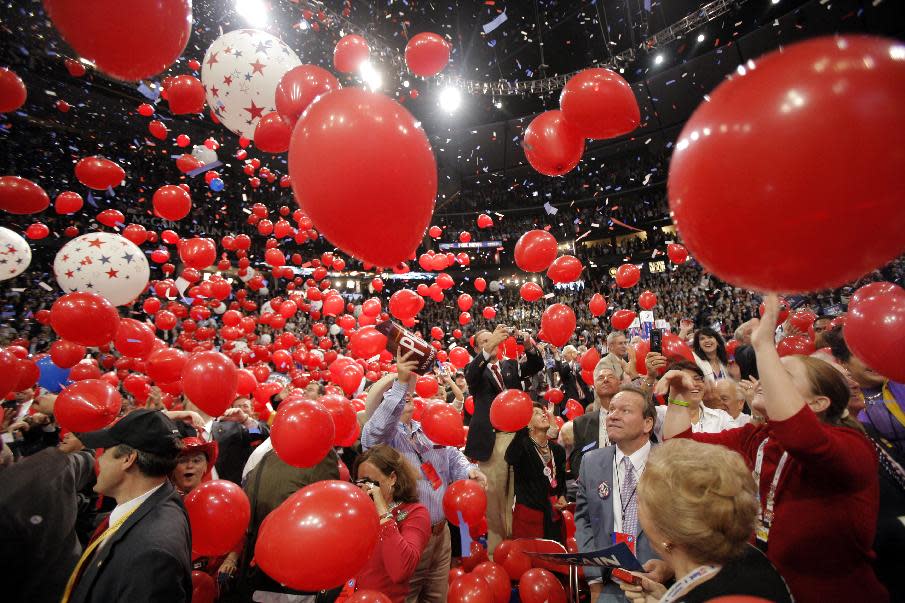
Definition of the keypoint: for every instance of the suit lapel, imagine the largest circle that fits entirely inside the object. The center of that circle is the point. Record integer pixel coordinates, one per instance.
(607, 478)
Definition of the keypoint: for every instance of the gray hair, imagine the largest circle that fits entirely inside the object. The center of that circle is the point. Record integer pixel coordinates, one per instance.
(570, 348)
(612, 336)
(601, 365)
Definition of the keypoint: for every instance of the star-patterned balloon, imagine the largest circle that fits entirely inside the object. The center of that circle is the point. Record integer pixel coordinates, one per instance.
(103, 263)
(240, 73)
(15, 254)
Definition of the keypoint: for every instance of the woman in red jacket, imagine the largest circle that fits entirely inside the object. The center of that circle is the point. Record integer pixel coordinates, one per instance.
(816, 476)
(405, 525)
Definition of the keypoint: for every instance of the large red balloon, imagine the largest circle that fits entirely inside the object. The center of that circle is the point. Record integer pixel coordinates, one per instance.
(358, 162)
(622, 319)
(535, 251)
(565, 269)
(172, 202)
(165, 365)
(204, 589)
(467, 497)
(218, 514)
(128, 40)
(302, 433)
(66, 354)
(343, 414)
(198, 252)
(674, 347)
(12, 91)
(10, 371)
(511, 410)
(299, 87)
(367, 342)
(497, 578)
(815, 136)
(84, 318)
(272, 133)
(795, 344)
(558, 324)
(99, 173)
(627, 275)
(185, 94)
(368, 596)
(551, 146)
(599, 103)
(531, 292)
(405, 303)
(350, 52)
(647, 300)
(677, 253)
(319, 537)
(875, 329)
(68, 202)
(540, 586)
(87, 405)
(134, 339)
(470, 588)
(209, 380)
(443, 424)
(21, 196)
(426, 54)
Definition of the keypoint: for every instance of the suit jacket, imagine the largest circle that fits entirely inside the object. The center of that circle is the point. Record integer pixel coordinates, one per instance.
(236, 443)
(484, 388)
(149, 558)
(594, 518)
(587, 437)
(573, 385)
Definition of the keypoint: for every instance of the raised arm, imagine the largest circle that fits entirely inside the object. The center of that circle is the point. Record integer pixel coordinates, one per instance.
(781, 398)
(382, 426)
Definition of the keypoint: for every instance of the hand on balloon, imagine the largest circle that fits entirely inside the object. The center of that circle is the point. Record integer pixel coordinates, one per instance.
(561, 503)
(763, 336)
(476, 474)
(646, 592)
(405, 366)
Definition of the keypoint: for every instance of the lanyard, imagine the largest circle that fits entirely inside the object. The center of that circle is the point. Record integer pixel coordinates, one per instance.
(765, 512)
(699, 574)
(549, 467)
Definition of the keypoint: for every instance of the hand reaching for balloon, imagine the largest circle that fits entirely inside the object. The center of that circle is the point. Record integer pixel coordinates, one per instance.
(405, 366)
(765, 328)
(476, 474)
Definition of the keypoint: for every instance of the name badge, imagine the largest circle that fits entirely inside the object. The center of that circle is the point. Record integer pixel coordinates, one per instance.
(431, 475)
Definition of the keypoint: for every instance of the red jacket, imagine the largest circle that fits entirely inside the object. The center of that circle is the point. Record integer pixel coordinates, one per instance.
(826, 504)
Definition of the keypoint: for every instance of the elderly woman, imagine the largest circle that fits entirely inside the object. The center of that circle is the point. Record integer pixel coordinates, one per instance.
(697, 503)
(405, 525)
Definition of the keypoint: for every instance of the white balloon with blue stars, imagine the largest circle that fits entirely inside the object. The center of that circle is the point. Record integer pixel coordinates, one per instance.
(15, 254)
(104, 263)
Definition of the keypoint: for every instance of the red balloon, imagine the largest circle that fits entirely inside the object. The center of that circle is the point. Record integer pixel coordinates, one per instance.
(335, 519)
(68, 202)
(540, 586)
(130, 41)
(565, 269)
(86, 369)
(766, 133)
(535, 251)
(599, 103)
(516, 562)
(480, 284)
(368, 596)
(783, 311)
(589, 359)
(795, 344)
(343, 414)
(465, 302)
(66, 354)
(172, 202)
(299, 87)
(455, 573)
(28, 375)
(622, 319)
(134, 339)
(875, 329)
(551, 146)
(84, 318)
(554, 396)
(185, 93)
(647, 300)
(198, 252)
(204, 589)
(459, 357)
(573, 409)
(99, 173)
(426, 386)
(558, 324)
(87, 405)
(803, 319)
(158, 129)
(186, 163)
(350, 52)
(511, 410)
(165, 365)
(677, 253)
(426, 54)
(219, 512)
(443, 424)
(12, 91)
(21, 196)
(272, 133)
(484, 221)
(675, 348)
(470, 588)
(209, 380)
(405, 303)
(467, 497)
(37, 231)
(597, 305)
(367, 342)
(497, 578)
(302, 433)
(531, 292)
(627, 275)
(395, 174)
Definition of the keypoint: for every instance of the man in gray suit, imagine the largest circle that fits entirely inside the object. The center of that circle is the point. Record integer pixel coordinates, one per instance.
(607, 499)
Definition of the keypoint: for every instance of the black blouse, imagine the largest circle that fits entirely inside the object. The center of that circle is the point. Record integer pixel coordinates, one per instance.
(752, 574)
(532, 488)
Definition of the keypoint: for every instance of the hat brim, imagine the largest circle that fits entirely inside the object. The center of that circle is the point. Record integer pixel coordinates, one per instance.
(101, 438)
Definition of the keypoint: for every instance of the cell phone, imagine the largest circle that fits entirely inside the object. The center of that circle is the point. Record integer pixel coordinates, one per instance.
(626, 576)
(656, 340)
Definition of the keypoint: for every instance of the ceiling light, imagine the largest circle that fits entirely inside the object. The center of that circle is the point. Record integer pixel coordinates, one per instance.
(498, 104)
(658, 59)
(701, 37)
(775, 1)
(253, 11)
(370, 75)
(450, 99)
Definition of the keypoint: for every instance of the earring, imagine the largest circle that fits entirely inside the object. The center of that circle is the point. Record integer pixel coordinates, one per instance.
(667, 546)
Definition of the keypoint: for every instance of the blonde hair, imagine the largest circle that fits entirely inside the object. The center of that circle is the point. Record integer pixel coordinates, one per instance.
(701, 497)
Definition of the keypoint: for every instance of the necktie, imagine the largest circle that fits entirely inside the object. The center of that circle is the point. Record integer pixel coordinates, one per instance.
(495, 369)
(628, 498)
(103, 531)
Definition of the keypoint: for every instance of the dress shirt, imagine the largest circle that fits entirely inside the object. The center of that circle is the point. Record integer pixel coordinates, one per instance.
(710, 421)
(385, 427)
(638, 460)
(603, 440)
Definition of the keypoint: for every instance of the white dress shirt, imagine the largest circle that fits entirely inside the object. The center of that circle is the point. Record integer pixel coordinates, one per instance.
(603, 440)
(709, 421)
(638, 460)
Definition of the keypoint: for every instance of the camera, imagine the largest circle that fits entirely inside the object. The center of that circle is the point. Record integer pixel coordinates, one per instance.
(656, 341)
(365, 480)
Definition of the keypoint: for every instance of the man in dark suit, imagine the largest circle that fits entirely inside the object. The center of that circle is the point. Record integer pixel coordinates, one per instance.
(569, 370)
(143, 551)
(487, 377)
(607, 500)
(590, 428)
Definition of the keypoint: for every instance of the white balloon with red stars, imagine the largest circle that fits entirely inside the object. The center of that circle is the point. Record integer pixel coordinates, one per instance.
(15, 254)
(240, 73)
(104, 263)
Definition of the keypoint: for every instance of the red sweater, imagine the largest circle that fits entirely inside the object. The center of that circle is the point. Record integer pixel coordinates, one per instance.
(826, 504)
(398, 551)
